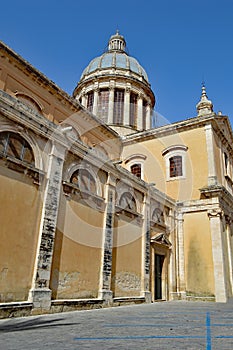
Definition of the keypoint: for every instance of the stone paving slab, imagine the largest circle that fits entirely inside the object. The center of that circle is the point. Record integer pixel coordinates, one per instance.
(165, 325)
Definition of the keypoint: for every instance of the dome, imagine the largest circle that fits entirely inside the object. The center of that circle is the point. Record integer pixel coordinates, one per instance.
(117, 58)
(115, 88)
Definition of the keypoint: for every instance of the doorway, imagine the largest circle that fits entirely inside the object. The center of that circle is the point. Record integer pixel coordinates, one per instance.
(158, 268)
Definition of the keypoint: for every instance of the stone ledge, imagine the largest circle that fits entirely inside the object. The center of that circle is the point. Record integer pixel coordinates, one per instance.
(128, 300)
(75, 304)
(15, 309)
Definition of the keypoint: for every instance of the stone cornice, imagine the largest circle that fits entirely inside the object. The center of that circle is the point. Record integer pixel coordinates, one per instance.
(54, 89)
(192, 123)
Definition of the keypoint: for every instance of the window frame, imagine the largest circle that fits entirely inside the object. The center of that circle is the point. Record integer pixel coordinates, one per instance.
(171, 152)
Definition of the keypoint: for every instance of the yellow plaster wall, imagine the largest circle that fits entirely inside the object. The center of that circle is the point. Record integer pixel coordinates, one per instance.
(77, 254)
(198, 254)
(126, 259)
(155, 166)
(19, 217)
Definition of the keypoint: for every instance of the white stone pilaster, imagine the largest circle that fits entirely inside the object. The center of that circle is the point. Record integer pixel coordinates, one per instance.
(84, 101)
(212, 177)
(111, 105)
(126, 107)
(105, 292)
(145, 272)
(40, 293)
(96, 101)
(215, 217)
(140, 113)
(148, 117)
(181, 289)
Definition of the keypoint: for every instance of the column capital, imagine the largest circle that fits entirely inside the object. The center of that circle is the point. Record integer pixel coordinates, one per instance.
(215, 213)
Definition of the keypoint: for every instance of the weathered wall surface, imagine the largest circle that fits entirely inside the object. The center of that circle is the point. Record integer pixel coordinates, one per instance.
(198, 255)
(196, 159)
(19, 216)
(77, 254)
(126, 259)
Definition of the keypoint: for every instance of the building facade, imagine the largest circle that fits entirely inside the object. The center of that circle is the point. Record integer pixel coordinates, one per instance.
(97, 206)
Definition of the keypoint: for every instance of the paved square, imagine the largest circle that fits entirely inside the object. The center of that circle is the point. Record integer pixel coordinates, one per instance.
(166, 325)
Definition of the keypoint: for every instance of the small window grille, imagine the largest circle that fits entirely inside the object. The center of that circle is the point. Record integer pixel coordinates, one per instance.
(118, 106)
(90, 101)
(103, 104)
(176, 166)
(136, 170)
(133, 109)
(15, 146)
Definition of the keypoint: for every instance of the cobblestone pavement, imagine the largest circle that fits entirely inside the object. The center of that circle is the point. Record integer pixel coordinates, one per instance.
(165, 325)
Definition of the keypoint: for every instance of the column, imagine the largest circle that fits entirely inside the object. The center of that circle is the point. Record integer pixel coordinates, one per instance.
(126, 106)
(105, 292)
(84, 101)
(140, 113)
(96, 98)
(212, 177)
(180, 257)
(40, 294)
(148, 116)
(111, 105)
(215, 217)
(145, 272)
(173, 256)
(230, 251)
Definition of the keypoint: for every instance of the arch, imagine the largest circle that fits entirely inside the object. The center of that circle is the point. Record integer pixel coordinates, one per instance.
(29, 100)
(127, 201)
(30, 138)
(135, 164)
(13, 145)
(85, 178)
(175, 158)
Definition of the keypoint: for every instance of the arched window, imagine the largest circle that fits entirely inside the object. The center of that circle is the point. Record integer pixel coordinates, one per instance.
(136, 170)
(84, 180)
(175, 157)
(15, 146)
(29, 100)
(127, 201)
(175, 166)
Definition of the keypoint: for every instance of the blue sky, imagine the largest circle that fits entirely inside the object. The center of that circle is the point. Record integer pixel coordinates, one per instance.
(180, 43)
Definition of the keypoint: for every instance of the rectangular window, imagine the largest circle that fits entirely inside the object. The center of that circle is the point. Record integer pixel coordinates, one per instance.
(136, 170)
(144, 110)
(90, 101)
(133, 109)
(103, 105)
(118, 106)
(175, 166)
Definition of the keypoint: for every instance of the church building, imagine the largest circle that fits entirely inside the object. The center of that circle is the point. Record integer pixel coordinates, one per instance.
(100, 206)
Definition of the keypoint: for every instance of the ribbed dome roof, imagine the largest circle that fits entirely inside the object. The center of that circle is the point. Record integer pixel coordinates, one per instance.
(115, 57)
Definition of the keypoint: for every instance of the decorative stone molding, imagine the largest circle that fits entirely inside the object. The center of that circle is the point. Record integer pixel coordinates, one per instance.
(22, 167)
(72, 191)
(215, 213)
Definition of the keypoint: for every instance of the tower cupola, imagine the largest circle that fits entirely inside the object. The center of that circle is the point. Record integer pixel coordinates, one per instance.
(116, 43)
(204, 106)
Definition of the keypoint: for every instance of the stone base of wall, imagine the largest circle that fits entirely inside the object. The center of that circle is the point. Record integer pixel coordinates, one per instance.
(128, 301)
(19, 309)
